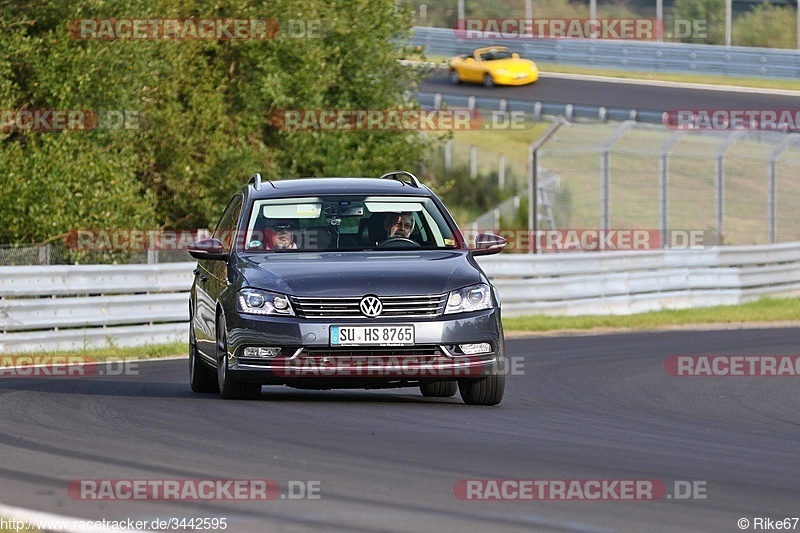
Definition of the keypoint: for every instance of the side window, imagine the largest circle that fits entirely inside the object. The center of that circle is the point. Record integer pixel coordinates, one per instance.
(228, 222)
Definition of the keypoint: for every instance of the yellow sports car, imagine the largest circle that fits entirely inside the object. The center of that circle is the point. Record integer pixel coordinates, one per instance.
(491, 66)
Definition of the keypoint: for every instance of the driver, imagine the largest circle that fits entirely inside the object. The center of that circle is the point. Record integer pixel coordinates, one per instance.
(399, 225)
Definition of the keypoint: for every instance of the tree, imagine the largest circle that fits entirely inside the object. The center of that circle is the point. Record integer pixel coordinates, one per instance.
(204, 109)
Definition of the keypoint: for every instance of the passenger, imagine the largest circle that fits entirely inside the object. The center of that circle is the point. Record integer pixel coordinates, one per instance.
(280, 234)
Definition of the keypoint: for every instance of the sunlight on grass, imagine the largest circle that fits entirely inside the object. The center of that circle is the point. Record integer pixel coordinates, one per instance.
(763, 311)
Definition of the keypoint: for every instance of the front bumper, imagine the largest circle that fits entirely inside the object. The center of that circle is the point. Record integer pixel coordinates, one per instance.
(307, 358)
(515, 79)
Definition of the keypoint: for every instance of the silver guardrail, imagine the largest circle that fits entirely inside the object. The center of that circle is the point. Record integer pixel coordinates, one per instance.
(535, 110)
(739, 61)
(606, 283)
(47, 308)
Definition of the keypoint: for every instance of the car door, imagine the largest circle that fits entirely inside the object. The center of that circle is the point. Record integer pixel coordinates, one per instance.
(474, 69)
(211, 279)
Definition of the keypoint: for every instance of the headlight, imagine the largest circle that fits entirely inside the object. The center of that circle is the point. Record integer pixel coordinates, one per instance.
(473, 298)
(255, 302)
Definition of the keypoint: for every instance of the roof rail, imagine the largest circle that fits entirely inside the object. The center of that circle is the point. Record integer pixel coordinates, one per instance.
(398, 175)
(255, 181)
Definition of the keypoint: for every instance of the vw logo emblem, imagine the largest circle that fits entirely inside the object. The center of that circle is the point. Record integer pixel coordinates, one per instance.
(370, 306)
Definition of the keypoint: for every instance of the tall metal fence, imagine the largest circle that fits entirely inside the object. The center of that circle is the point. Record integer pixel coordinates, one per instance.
(741, 185)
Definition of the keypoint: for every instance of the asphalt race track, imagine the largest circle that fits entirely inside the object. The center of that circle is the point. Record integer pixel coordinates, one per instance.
(615, 95)
(583, 408)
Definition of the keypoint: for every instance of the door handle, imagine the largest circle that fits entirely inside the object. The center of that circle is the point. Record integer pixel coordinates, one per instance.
(203, 278)
(196, 271)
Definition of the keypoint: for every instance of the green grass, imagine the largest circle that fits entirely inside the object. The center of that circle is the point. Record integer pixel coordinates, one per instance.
(114, 353)
(707, 79)
(763, 311)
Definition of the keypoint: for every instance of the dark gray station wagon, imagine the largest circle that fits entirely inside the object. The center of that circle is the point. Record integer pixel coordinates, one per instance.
(324, 283)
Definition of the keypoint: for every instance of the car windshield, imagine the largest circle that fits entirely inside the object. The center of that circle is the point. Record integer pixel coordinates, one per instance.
(346, 223)
(496, 54)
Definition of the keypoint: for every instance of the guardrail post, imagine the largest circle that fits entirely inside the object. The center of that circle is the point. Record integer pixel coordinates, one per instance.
(437, 101)
(448, 154)
(501, 171)
(44, 254)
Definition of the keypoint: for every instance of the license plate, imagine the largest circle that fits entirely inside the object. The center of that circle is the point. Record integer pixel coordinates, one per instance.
(372, 335)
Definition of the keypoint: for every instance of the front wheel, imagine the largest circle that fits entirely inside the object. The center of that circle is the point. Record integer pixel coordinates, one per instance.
(488, 81)
(455, 79)
(483, 391)
(201, 377)
(230, 388)
(439, 389)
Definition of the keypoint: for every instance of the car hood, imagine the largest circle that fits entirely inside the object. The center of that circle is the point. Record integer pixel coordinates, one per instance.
(511, 64)
(336, 274)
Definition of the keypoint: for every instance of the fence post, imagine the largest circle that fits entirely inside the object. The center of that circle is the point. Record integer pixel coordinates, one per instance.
(473, 162)
(605, 173)
(720, 182)
(772, 208)
(663, 186)
(448, 154)
(533, 172)
(501, 171)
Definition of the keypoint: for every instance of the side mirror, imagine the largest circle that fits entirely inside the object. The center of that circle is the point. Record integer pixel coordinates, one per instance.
(515, 55)
(488, 244)
(208, 249)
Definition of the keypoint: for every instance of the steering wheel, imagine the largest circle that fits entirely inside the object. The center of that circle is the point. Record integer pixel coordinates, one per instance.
(394, 241)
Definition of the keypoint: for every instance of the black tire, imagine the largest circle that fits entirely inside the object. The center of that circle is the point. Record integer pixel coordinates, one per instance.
(230, 388)
(488, 81)
(439, 389)
(201, 377)
(455, 79)
(483, 391)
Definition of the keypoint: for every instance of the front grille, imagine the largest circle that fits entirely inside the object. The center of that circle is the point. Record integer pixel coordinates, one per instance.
(348, 307)
(377, 351)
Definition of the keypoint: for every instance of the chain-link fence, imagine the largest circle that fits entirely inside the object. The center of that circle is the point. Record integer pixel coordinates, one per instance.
(58, 254)
(741, 185)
